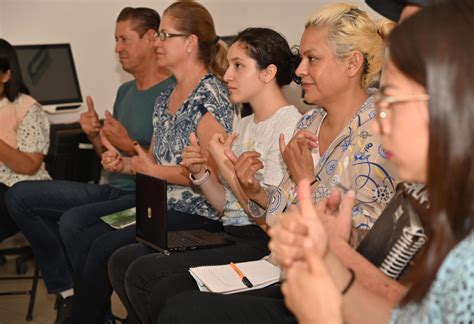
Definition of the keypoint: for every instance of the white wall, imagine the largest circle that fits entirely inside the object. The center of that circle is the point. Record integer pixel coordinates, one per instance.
(2, 15)
(89, 26)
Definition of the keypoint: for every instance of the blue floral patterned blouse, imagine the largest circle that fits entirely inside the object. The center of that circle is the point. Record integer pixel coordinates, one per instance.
(451, 296)
(171, 136)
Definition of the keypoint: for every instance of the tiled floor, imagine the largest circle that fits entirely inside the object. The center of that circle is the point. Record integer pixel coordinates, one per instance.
(13, 308)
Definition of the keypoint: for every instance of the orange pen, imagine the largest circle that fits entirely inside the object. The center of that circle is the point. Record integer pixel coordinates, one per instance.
(244, 279)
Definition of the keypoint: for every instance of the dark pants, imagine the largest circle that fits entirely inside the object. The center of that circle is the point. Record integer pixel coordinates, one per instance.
(98, 243)
(145, 282)
(7, 225)
(42, 208)
(255, 306)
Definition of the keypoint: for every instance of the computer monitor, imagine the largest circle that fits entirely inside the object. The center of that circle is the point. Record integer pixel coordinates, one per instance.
(50, 74)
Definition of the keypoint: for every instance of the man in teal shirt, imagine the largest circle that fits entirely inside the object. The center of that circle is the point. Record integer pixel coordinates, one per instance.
(53, 214)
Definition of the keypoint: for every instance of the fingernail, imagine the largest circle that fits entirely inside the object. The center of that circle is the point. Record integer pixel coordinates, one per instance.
(351, 194)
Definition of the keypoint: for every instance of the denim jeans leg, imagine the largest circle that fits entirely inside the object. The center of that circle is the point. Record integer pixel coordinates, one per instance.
(92, 296)
(36, 207)
(78, 219)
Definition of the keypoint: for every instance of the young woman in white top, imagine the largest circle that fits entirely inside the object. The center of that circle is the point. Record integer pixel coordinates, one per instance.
(260, 63)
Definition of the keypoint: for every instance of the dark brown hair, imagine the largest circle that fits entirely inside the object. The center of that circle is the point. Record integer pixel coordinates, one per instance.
(9, 62)
(143, 19)
(194, 19)
(266, 47)
(434, 48)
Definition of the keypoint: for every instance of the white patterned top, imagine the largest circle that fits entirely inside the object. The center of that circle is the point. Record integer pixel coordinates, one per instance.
(32, 137)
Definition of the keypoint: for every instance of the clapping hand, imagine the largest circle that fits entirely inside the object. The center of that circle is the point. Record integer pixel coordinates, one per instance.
(89, 120)
(309, 290)
(142, 162)
(308, 226)
(117, 133)
(111, 159)
(297, 155)
(246, 166)
(192, 157)
(219, 143)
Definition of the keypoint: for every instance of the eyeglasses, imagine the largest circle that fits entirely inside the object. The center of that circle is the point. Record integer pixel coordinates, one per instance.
(383, 103)
(165, 35)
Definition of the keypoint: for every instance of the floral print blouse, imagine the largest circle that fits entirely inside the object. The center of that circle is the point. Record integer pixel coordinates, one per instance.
(171, 136)
(32, 136)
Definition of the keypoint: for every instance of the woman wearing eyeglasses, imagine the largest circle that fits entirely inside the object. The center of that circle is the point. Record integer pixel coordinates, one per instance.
(425, 117)
(199, 102)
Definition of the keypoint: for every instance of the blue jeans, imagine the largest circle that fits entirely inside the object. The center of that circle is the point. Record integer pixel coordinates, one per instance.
(42, 209)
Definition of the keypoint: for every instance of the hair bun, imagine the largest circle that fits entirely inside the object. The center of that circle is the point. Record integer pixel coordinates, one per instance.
(295, 61)
(385, 27)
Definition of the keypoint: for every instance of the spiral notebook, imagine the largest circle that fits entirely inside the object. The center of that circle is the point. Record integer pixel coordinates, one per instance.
(223, 279)
(395, 238)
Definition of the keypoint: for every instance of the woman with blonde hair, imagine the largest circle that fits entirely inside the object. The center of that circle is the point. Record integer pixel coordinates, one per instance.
(425, 117)
(341, 58)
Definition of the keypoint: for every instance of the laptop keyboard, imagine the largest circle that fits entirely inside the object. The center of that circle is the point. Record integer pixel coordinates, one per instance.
(177, 239)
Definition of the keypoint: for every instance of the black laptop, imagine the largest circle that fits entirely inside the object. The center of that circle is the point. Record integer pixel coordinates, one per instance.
(152, 220)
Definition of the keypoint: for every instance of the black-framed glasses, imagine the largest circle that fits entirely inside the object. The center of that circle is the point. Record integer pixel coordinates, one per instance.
(383, 103)
(165, 35)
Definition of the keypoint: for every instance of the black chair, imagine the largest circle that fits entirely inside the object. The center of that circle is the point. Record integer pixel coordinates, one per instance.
(71, 155)
(23, 253)
(21, 268)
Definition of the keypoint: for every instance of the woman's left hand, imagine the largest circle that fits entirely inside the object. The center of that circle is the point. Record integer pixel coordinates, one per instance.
(219, 143)
(142, 162)
(310, 292)
(298, 229)
(307, 225)
(297, 155)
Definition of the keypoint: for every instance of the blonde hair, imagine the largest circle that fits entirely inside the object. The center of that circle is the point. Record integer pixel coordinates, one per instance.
(350, 29)
(193, 18)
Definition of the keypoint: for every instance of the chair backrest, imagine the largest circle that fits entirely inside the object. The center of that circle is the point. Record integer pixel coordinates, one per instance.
(71, 155)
